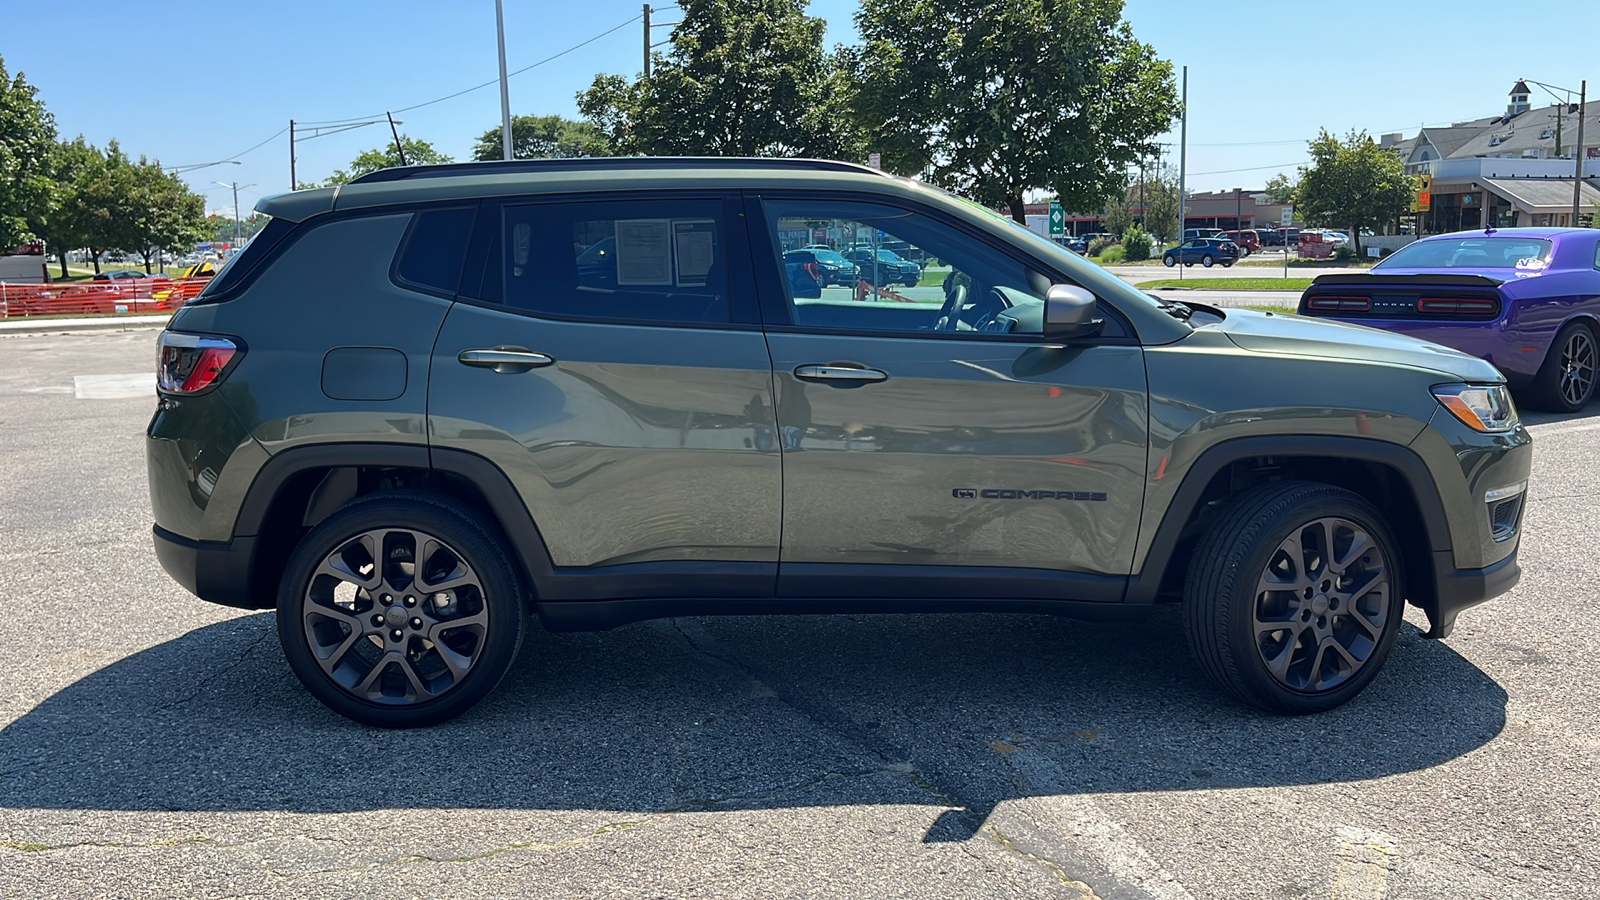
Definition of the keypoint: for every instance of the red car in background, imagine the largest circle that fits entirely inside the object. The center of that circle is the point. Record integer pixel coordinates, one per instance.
(1249, 242)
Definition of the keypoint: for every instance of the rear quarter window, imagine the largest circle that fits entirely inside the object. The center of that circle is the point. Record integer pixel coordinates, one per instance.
(434, 249)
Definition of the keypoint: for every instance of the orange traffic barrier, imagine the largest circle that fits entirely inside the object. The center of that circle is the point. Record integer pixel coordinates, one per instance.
(144, 295)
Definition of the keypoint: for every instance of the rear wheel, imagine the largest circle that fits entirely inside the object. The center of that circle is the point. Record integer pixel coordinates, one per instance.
(399, 611)
(1206, 261)
(1169, 261)
(1566, 380)
(1294, 597)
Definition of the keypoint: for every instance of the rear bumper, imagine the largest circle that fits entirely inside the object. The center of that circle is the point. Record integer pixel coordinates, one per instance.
(1459, 589)
(214, 571)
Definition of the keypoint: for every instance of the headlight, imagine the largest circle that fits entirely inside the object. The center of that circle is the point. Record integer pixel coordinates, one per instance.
(1483, 407)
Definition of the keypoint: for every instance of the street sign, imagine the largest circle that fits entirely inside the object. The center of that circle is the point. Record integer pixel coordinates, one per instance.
(1058, 219)
(1285, 216)
(874, 161)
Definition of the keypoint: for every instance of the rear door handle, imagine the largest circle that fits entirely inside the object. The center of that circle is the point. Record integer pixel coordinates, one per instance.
(505, 360)
(840, 373)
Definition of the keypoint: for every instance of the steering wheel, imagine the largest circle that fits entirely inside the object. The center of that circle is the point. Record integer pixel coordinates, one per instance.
(950, 314)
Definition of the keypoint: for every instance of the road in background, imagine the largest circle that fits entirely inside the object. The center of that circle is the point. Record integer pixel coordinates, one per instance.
(155, 745)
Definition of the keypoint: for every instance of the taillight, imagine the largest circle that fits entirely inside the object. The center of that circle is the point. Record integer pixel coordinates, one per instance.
(1456, 305)
(1358, 304)
(190, 363)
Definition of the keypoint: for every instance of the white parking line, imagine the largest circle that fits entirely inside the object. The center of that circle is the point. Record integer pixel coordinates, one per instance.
(1551, 428)
(114, 387)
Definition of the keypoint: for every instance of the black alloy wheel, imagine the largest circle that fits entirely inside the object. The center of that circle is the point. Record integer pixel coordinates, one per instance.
(399, 611)
(1294, 597)
(1566, 381)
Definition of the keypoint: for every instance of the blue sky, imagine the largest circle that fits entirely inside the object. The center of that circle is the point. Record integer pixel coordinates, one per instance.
(190, 83)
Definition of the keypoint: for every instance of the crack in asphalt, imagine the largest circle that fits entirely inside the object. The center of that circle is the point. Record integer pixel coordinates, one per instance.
(201, 685)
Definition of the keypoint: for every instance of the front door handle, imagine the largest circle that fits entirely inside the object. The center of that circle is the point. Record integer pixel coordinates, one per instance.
(840, 373)
(505, 360)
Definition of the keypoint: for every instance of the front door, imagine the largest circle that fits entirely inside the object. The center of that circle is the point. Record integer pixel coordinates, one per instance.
(932, 437)
(606, 357)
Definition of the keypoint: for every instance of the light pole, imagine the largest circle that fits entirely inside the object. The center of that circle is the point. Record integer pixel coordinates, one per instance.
(505, 85)
(235, 186)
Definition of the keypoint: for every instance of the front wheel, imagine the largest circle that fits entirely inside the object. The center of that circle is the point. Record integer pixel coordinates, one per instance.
(1294, 597)
(399, 611)
(1206, 261)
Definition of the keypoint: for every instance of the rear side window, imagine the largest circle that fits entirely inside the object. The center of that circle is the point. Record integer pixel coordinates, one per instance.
(434, 249)
(655, 261)
(236, 268)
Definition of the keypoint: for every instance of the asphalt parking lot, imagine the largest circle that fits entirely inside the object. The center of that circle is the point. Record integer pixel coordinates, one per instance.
(155, 745)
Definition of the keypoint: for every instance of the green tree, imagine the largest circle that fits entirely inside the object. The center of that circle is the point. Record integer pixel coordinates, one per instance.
(153, 210)
(67, 224)
(1281, 190)
(27, 141)
(418, 153)
(1353, 184)
(1117, 216)
(743, 78)
(996, 98)
(543, 137)
(1161, 209)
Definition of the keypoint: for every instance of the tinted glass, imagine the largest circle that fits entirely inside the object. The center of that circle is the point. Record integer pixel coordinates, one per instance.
(650, 260)
(435, 248)
(1471, 253)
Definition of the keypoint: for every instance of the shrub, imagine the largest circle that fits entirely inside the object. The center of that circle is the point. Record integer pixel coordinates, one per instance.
(1136, 245)
(1111, 254)
(1099, 244)
(1344, 253)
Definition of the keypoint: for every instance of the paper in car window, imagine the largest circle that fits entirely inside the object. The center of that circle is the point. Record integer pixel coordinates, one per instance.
(694, 245)
(644, 251)
(519, 247)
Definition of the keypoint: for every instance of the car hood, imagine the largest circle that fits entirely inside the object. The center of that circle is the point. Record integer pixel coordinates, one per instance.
(1270, 333)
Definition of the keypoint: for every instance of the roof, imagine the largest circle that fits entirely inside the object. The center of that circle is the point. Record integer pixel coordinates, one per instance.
(1551, 232)
(1525, 132)
(1446, 141)
(1544, 195)
(1521, 87)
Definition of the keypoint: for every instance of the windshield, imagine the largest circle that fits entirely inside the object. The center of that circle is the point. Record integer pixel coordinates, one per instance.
(888, 256)
(828, 256)
(1471, 253)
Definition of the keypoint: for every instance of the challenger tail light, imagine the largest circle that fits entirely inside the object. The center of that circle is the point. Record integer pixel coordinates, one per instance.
(190, 363)
(1456, 305)
(1358, 304)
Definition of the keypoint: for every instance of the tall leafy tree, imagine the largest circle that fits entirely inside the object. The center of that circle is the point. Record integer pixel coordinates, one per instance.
(543, 137)
(67, 224)
(743, 78)
(418, 153)
(1161, 208)
(154, 210)
(27, 140)
(1353, 184)
(997, 98)
(1280, 189)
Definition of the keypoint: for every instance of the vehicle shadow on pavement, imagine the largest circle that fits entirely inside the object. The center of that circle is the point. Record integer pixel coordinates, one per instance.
(956, 711)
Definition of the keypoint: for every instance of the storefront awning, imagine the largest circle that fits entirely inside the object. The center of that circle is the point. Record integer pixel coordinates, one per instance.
(1544, 195)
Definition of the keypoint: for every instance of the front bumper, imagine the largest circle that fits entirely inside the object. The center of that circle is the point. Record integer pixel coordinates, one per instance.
(1458, 589)
(211, 570)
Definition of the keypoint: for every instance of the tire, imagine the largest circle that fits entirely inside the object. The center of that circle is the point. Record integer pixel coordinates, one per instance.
(1169, 261)
(1344, 633)
(1206, 261)
(374, 677)
(1228, 263)
(1565, 381)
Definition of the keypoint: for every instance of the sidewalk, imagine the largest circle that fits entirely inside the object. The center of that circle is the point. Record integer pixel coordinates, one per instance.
(88, 323)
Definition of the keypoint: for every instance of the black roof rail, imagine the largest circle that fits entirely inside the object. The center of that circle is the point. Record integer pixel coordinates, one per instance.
(401, 173)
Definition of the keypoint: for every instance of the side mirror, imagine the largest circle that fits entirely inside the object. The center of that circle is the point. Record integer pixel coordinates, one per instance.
(1069, 312)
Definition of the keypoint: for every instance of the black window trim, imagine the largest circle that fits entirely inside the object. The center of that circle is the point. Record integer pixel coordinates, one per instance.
(775, 304)
(742, 312)
(404, 283)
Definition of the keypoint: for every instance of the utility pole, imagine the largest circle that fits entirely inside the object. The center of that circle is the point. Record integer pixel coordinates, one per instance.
(293, 183)
(505, 84)
(647, 40)
(1183, 168)
(1577, 154)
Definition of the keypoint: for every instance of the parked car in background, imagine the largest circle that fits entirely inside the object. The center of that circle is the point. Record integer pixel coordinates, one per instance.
(1205, 251)
(1525, 299)
(1190, 234)
(1247, 239)
(831, 267)
(119, 275)
(891, 268)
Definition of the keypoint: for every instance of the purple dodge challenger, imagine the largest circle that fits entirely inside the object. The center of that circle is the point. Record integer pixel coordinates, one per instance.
(1525, 299)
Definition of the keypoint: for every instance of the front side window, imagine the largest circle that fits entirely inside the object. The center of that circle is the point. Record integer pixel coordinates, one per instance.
(649, 261)
(936, 279)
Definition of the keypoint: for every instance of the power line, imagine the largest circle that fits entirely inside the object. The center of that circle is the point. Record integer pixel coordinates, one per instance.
(1253, 168)
(479, 87)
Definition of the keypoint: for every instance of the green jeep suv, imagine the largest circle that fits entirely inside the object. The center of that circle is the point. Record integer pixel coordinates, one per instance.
(425, 404)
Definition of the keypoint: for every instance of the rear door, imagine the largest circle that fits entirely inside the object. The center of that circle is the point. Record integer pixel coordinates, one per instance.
(606, 356)
(934, 443)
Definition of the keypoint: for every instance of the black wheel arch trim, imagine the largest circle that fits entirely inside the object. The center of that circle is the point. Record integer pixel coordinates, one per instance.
(1144, 586)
